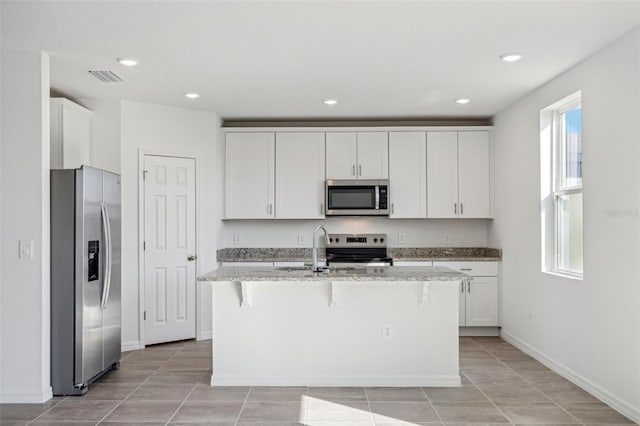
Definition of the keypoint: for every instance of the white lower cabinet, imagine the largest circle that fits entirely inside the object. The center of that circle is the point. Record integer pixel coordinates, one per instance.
(479, 297)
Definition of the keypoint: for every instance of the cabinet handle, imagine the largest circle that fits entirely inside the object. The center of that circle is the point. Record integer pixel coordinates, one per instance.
(468, 286)
(392, 208)
(462, 286)
(465, 269)
(353, 170)
(270, 208)
(360, 170)
(461, 208)
(455, 208)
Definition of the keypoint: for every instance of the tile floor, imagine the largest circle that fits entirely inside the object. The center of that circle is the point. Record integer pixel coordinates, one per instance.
(169, 384)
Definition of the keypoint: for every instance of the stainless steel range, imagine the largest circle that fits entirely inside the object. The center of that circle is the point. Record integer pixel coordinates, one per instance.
(360, 249)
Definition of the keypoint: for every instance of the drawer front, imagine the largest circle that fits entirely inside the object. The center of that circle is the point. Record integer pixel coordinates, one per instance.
(475, 269)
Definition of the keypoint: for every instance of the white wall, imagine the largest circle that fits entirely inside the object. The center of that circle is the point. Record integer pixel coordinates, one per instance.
(158, 129)
(587, 329)
(418, 233)
(105, 133)
(24, 170)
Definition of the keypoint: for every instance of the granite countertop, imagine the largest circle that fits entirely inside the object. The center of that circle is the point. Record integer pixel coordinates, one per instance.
(397, 253)
(371, 273)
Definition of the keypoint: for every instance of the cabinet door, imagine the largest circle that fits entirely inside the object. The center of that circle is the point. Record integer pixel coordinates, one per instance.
(408, 175)
(462, 300)
(341, 155)
(474, 171)
(442, 174)
(482, 302)
(249, 177)
(76, 136)
(373, 155)
(300, 175)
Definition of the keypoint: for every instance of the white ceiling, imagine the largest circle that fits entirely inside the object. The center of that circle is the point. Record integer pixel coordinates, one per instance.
(281, 59)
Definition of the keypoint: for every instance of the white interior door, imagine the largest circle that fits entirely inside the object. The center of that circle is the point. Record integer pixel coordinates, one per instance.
(169, 248)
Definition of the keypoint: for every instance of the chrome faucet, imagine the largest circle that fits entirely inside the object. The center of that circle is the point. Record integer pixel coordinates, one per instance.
(315, 267)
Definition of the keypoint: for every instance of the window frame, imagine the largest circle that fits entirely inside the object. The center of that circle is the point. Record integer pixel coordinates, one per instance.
(558, 190)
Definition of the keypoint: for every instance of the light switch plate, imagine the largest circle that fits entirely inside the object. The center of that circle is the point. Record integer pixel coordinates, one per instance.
(25, 250)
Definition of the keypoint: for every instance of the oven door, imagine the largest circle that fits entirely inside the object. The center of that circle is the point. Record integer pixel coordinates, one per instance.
(349, 198)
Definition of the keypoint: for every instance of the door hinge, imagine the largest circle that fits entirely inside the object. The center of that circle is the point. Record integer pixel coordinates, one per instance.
(144, 316)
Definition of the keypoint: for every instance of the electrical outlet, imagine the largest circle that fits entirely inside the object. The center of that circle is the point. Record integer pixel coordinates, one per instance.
(447, 238)
(301, 239)
(387, 331)
(402, 238)
(236, 238)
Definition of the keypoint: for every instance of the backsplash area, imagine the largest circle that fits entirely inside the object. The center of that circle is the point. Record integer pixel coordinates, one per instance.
(298, 233)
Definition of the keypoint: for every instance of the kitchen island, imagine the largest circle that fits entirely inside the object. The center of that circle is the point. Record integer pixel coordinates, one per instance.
(368, 326)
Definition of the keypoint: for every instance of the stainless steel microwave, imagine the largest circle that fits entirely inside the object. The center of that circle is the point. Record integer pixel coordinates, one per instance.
(357, 198)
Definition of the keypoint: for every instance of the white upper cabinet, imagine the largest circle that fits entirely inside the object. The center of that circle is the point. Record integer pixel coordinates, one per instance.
(249, 175)
(70, 132)
(341, 155)
(407, 175)
(474, 171)
(300, 175)
(442, 174)
(373, 155)
(458, 175)
(357, 155)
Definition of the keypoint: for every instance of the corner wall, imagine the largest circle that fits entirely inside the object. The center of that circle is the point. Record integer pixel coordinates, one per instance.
(24, 171)
(588, 330)
(158, 129)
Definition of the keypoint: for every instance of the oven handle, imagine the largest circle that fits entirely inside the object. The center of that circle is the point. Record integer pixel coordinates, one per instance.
(377, 197)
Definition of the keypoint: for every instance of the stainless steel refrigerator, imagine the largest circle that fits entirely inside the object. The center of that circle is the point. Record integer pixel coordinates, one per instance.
(85, 277)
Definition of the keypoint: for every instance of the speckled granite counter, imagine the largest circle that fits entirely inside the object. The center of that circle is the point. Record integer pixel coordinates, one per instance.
(372, 273)
(397, 253)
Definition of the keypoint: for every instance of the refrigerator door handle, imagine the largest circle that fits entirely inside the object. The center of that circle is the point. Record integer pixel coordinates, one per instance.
(106, 226)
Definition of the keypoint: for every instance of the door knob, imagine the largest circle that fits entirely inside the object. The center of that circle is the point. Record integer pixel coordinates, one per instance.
(192, 258)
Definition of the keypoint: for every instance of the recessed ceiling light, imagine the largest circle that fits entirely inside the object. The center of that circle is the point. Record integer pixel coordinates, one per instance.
(462, 101)
(192, 95)
(330, 101)
(511, 57)
(127, 62)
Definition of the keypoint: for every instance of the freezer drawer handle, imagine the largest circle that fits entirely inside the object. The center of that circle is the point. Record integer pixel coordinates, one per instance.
(106, 225)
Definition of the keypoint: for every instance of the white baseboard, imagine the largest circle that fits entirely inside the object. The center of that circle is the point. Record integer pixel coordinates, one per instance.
(597, 391)
(369, 381)
(205, 335)
(478, 331)
(133, 345)
(27, 397)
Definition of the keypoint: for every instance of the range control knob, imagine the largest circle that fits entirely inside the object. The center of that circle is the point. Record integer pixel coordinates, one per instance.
(382, 240)
(337, 240)
(330, 240)
(375, 240)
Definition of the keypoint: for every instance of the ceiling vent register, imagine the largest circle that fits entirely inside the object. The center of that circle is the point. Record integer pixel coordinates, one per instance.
(106, 76)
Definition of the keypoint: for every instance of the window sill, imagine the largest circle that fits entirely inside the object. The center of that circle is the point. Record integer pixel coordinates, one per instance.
(565, 274)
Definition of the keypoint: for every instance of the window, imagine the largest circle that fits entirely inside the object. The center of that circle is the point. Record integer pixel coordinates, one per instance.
(561, 136)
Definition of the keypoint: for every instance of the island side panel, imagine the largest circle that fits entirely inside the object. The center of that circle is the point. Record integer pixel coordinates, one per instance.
(290, 335)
